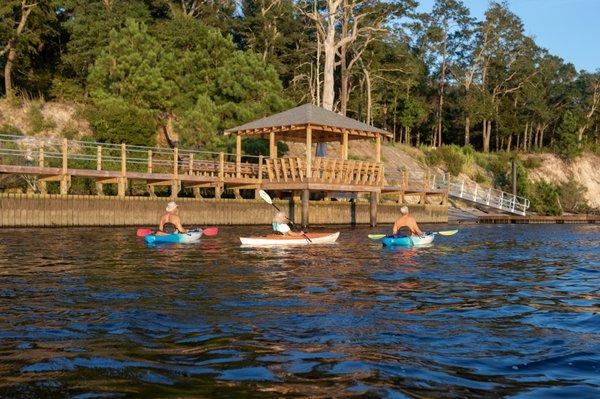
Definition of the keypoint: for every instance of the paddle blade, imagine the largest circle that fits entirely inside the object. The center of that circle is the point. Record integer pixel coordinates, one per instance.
(263, 194)
(447, 232)
(376, 236)
(143, 232)
(210, 231)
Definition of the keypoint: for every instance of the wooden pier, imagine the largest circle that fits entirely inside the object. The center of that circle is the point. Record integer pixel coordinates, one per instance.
(60, 160)
(536, 219)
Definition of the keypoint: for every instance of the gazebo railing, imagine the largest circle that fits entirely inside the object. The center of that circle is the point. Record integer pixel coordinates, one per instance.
(325, 170)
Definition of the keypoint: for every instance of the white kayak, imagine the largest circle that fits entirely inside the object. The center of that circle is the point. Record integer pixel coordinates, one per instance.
(278, 239)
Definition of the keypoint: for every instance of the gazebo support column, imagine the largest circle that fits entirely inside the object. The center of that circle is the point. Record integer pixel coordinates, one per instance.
(305, 199)
(272, 146)
(308, 153)
(378, 148)
(373, 208)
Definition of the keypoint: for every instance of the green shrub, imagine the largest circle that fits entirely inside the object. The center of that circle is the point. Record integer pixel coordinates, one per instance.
(453, 158)
(114, 120)
(572, 196)
(258, 147)
(432, 158)
(532, 162)
(480, 178)
(545, 198)
(69, 132)
(37, 121)
(10, 130)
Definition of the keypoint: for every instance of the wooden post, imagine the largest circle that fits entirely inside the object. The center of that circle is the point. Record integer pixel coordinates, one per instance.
(191, 164)
(175, 181)
(373, 208)
(122, 185)
(272, 146)
(238, 156)
(305, 201)
(378, 148)
(99, 186)
(260, 169)
(150, 168)
(41, 184)
(221, 166)
(308, 154)
(345, 145)
(64, 180)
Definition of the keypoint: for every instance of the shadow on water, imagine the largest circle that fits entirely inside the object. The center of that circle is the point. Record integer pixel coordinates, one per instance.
(495, 311)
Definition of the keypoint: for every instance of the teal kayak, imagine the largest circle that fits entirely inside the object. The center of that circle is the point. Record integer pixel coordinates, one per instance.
(407, 241)
(176, 238)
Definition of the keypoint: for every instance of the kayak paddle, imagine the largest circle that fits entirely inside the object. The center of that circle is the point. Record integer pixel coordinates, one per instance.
(442, 233)
(209, 231)
(263, 194)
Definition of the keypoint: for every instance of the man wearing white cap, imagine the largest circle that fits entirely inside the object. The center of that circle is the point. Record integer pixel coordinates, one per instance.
(407, 221)
(170, 222)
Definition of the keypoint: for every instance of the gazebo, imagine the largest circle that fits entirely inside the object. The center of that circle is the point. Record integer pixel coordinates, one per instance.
(311, 124)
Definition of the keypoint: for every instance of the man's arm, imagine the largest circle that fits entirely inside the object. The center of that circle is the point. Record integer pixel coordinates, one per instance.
(416, 228)
(178, 226)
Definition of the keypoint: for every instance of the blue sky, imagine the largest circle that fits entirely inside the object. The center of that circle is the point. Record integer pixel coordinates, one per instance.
(570, 29)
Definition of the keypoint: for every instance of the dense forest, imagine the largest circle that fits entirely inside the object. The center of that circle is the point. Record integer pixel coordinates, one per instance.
(193, 67)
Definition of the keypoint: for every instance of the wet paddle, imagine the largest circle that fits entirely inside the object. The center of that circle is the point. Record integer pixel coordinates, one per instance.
(442, 233)
(209, 231)
(263, 194)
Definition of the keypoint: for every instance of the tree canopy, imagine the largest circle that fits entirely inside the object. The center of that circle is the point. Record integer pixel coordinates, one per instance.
(179, 70)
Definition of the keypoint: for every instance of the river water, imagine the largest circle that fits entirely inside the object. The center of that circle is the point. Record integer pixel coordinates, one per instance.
(494, 311)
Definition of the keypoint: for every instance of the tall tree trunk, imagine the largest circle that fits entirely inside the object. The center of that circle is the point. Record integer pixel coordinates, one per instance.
(407, 135)
(467, 130)
(369, 99)
(418, 143)
(11, 48)
(487, 130)
(525, 137)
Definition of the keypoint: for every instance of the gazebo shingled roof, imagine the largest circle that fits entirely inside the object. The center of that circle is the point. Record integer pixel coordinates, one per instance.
(293, 122)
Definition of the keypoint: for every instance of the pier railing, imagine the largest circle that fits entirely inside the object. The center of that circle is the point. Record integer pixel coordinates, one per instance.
(57, 159)
(325, 170)
(490, 197)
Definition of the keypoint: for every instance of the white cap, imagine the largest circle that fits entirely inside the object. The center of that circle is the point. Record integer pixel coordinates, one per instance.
(171, 206)
(404, 210)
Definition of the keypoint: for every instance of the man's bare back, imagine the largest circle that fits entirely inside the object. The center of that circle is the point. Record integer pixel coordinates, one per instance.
(407, 221)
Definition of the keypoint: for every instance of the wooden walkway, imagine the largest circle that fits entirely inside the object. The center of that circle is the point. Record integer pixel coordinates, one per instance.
(61, 160)
(535, 219)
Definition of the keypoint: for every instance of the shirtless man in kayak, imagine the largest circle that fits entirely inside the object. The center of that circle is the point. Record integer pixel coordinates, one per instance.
(170, 222)
(407, 221)
(280, 225)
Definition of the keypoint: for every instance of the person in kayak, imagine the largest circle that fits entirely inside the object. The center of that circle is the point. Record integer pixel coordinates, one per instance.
(170, 222)
(280, 225)
(406, 220)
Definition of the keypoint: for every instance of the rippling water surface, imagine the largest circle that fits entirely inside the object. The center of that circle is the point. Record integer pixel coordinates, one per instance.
(495, 311)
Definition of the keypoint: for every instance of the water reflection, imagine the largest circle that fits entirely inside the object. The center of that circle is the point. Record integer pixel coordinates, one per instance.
(493, 311)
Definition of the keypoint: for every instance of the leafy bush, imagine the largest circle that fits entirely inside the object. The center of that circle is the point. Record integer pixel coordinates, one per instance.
(480, 178)
(10, 130)
(114, 120)
(69, 132)
(453, 158)
(37, 121)
(261, 147)
(545, 198)
(432, 158)
(532, 162)
(572, 196)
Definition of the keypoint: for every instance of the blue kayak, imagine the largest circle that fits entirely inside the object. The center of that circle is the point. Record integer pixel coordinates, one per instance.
(402, 240)
(176, 238)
